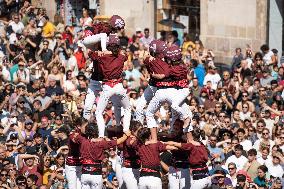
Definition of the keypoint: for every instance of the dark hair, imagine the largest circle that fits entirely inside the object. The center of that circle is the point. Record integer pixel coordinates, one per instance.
(264, 47)
(134, 126)
(46, 41)
(194, 63)
(91, 131)
(114, 49)
(20, 178)
(252, 152)
(258, 55)
(68, 71)
(146, 29)
(241, 130)
(144, 134)
(54, 144)
(175, 33)
(239, 147)
(60, 155)
(263, 168)
(33, 177)
(196, 134)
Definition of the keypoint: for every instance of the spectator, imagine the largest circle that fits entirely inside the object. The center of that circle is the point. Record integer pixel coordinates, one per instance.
(238, 158)
(146, 39)
(251, 166)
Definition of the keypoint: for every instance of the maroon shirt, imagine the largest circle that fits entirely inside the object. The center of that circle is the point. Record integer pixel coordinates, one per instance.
(198, 155)
(111, 66)
(150, 154)
(93, 150)
(74, 148)
(178, 72)
(128, 151)
(156, 66)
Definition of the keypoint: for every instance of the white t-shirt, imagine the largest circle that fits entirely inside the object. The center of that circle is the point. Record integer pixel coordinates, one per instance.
(275, 170)
(213, 78)
(267, 57)
(247, 145)
(263, 161)
(244, 116)
(240, 162)
(17, 27)
(269, 125)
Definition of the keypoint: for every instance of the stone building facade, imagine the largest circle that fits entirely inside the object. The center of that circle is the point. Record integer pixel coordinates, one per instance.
(228, 24)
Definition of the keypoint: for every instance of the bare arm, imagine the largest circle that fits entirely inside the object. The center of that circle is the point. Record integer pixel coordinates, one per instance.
(123, 138)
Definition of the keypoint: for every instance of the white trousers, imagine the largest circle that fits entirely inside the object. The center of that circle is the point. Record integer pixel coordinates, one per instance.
(179, 178)
(91, 181)
(118, 173)
(90, 41)
(93, 91)
(73, 176)
(150, 182)
(146, 97)
(95, 87)
(201, 183)
(106, 94)
(130, 177)
(172, 96)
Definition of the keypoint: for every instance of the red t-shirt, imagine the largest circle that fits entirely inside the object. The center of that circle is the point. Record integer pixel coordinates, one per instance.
(26, 171)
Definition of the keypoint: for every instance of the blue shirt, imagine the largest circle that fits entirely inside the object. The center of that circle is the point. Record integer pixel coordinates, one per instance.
(199, 72)
(216, 150)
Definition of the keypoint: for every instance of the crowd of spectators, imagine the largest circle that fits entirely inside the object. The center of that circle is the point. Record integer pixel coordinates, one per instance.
(44, 73)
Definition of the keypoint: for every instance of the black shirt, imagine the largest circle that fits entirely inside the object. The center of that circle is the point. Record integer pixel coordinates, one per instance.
(54, 90)
(46, 56)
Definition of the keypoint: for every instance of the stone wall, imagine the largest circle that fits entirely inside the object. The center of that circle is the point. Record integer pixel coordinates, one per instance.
(228, 24)
(136, 13)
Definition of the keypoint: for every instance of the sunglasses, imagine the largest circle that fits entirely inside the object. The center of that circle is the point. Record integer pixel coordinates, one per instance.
(245, 107)
(22, 102)
(217, 106)
(231, 168)
(45, 44)
(245, 95)
(265, 133)
(3, 175)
